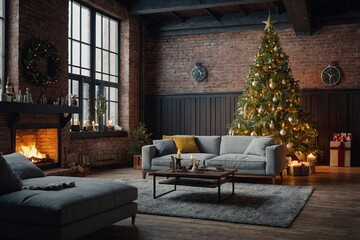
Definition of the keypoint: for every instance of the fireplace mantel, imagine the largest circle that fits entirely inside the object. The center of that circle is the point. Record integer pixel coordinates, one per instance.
(14, 110)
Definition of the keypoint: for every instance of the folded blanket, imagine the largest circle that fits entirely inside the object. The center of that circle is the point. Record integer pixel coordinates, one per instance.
(51, 186)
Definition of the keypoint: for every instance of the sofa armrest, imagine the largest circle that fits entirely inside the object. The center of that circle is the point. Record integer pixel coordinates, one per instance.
(275, 159)
(147, 153)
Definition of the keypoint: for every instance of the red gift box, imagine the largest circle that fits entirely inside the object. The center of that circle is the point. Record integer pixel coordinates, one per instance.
(340, 154)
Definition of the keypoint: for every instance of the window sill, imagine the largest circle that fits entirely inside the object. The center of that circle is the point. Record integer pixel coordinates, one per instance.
(84, 134)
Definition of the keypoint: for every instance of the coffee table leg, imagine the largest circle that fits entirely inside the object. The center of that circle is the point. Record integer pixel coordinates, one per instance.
(233, 183)
(233, 189)
(154, 186)
(219, 196)
(154, 189)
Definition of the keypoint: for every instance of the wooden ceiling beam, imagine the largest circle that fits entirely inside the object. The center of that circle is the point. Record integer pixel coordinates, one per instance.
(206, 24)
(212, 14)
(299, 14)
(158, 6)
(177, 16)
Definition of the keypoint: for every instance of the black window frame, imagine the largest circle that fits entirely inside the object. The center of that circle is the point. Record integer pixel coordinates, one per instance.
(91, 80)
(3, 20)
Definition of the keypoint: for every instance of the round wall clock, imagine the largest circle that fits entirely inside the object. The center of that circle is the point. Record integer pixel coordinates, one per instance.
(330, 75)
(198, 72)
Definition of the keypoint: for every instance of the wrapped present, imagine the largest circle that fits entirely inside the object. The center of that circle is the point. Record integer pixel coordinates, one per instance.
(298, 168)
(340, 154)
(302, 170)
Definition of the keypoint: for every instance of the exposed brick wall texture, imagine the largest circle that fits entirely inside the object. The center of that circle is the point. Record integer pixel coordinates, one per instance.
(228, 56)
(49, 20)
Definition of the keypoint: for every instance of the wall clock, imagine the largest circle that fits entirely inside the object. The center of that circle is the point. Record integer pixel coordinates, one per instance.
(330, 75)
(198, 72)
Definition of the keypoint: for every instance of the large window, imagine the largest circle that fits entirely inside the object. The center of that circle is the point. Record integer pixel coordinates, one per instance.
(2, 43)
(93, 63)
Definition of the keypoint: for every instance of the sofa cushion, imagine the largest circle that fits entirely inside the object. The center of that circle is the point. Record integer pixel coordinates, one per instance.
(208, 144)
(22, 166)
(250, 163)
(55, 208)
(186, 144)
(165, 146)
(9, 180)
(257, 146)
(234, 144)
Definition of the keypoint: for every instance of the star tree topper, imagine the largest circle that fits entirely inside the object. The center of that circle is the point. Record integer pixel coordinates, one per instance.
(268, 23)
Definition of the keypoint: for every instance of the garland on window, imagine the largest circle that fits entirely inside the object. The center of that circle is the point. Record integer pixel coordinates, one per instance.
(36, 50)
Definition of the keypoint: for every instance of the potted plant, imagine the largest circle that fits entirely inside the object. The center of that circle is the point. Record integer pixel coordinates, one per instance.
(138, 138)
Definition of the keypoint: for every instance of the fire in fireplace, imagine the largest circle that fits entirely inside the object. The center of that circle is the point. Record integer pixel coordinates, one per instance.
(39, 145)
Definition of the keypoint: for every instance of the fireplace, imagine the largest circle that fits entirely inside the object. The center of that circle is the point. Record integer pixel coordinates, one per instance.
(39, 128)
(40, 144)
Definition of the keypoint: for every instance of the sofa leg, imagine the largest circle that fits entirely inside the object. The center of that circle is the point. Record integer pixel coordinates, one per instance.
(143, 174)
(273, 180)
(133, 219)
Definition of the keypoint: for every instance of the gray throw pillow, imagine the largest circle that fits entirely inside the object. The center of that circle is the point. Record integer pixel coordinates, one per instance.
(9, 181)
(257, 146)
(165, 146)
(22, 166)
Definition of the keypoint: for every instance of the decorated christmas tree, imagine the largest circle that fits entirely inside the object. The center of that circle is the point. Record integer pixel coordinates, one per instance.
(270, 104)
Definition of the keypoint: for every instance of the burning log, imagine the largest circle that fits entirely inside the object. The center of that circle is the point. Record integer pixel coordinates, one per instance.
(37, 160)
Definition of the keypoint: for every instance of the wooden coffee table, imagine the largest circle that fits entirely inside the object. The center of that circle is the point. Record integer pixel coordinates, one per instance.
(208, 179)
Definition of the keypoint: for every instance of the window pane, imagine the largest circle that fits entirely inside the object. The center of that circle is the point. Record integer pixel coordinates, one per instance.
(97, 91)
(76, 21)
(86, 109)
(98, 61)
(85, 72)
(113, 94)
(69, 50)
(76, 53)
(85, 56)
(76, 70)
(113, 112)
(98, 30)
(113, 64)
(69, 20)
(105, 33)
(114, 79)
(105, 62)
(105, 77)
(76, 89)
(85, 25)
(86, 90)
(113, 36)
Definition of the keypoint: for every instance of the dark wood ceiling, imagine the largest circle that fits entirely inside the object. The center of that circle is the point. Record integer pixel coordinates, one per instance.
(179, 17)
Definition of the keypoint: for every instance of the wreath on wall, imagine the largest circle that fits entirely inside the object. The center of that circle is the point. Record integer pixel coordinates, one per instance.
(37, 50)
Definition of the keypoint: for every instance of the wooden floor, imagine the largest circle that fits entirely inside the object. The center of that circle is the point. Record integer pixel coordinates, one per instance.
(332, 212)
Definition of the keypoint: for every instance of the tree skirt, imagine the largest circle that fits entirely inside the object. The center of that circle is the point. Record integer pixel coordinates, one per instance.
(258, 204)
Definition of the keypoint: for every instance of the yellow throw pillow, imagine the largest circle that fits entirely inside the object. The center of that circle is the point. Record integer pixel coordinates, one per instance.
(186, 144)
(168, 136)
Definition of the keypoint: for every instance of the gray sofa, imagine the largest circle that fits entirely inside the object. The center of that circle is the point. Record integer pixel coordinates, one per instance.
(35, 206)
(252, 156)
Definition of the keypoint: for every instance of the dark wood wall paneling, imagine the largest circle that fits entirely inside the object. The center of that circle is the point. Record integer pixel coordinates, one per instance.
(209, 114)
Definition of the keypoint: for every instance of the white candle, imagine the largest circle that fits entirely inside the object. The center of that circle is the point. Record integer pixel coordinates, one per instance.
(178, 154)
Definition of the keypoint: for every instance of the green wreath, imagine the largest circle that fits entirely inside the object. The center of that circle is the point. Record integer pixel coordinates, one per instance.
(36, 50)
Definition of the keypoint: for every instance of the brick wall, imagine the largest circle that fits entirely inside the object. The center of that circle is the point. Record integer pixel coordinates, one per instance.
(228, 56)
(49, 20)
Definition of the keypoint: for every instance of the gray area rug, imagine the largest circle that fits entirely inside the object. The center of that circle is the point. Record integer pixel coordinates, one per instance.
(258, 204)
